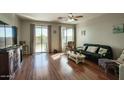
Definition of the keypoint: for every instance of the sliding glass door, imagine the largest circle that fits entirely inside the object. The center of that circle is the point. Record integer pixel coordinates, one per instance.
(67, 34)
(41, 39)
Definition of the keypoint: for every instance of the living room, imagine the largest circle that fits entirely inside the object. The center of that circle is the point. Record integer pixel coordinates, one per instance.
(88, 29)
(61, 46)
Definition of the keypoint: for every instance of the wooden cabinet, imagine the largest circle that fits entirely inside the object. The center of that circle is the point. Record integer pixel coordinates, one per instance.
(10, 55)
(10, 61)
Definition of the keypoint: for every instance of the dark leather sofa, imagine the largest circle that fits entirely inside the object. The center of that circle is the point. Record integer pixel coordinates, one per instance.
(95, 56)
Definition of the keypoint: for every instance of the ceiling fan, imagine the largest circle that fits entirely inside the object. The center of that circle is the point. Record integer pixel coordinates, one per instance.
(70, 18)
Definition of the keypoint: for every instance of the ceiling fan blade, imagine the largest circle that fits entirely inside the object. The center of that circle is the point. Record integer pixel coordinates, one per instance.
(61, 17)
(75, 19)
(78, 16)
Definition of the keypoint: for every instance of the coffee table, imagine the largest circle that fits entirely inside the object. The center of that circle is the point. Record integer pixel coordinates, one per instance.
(76, 57)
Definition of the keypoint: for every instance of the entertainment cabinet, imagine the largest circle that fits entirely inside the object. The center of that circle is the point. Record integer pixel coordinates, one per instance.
(10, 61)
(11, 54)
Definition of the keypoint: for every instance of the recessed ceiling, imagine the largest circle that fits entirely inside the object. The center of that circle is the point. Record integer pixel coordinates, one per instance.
(53, 17)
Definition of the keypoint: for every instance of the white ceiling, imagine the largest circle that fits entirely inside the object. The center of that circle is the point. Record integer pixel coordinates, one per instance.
(53, 17)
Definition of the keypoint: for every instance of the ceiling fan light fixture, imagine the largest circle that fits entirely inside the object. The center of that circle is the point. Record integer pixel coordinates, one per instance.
(71, 20)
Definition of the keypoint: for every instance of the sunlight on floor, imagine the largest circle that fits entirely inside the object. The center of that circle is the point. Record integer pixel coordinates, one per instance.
(65, 68)
(41, 48)
(57, 56)
(41, 64)
(40, 60)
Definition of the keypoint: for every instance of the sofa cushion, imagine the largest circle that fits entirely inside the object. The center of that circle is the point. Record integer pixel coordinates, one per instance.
(81, 48)
(92, 49)
(102, 51)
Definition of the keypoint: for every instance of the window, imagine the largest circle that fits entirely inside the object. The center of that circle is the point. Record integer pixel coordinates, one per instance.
(2, 37)
(9, 36)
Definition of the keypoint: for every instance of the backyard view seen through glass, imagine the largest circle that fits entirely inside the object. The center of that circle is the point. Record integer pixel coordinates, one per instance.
(41, 39)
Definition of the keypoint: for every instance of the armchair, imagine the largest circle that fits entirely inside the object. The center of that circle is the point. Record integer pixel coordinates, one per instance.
(70, 46)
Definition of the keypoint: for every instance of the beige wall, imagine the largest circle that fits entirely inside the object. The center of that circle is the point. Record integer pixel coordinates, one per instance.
(25, 32)
(11, 19)
(99, 30)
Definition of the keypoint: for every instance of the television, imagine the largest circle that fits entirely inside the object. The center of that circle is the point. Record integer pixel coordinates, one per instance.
(2, 37)
(9, 36)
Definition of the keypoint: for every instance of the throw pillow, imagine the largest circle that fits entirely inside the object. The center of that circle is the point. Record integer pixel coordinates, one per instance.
(102, 51)
(84, 47)
(121, 58)
(92, 49)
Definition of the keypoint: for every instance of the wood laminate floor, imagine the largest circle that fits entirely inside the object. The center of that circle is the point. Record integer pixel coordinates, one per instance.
(45, 66)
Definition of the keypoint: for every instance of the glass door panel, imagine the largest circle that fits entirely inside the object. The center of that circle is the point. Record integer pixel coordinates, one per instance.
(67, 35)
(44, 37)
(41, 39)
(63, 35)
(37, 39)
(70, 35)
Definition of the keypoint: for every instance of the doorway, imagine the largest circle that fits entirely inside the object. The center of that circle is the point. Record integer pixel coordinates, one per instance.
(41, 39)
